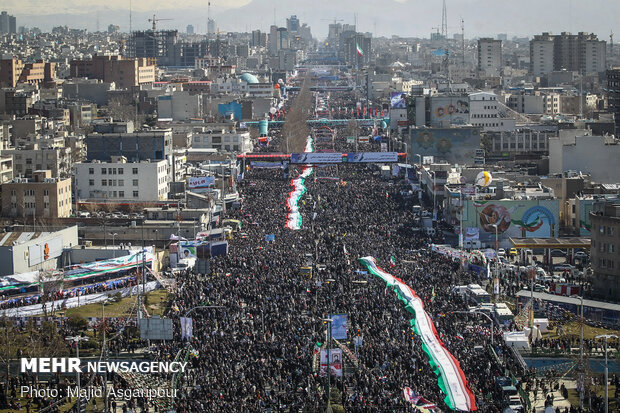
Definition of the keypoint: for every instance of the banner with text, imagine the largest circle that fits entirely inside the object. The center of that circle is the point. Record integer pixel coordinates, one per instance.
(372, 157)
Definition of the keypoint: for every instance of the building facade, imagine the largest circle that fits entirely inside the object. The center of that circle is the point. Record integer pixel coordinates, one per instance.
(120, 180)
(490, 60)
(605, 250)
(125, 73)
(136, 146)
(582, 53)
(613, 94)
(41, 197)
(14, 71)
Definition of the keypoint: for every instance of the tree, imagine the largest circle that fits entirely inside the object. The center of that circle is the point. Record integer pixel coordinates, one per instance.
(77, 323)
(296, 131)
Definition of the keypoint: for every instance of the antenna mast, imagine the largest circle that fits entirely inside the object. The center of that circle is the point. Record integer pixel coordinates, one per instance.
(444, 21)
(130, 17)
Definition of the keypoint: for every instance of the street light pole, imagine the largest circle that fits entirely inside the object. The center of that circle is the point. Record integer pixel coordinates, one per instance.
(606, 337)
(76, 340)
(114, 234)
(329, 343)
(496, 278)
(581, 366)
(105, 354)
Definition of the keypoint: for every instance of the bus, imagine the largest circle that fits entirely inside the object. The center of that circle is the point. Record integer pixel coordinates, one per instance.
(476, 294)
(501, 313)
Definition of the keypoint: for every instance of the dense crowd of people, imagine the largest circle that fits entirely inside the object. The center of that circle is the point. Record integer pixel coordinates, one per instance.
(258, 317)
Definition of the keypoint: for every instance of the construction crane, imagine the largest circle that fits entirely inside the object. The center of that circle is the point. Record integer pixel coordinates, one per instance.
(154, 21)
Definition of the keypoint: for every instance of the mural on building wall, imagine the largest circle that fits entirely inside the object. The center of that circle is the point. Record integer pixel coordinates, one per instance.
(518, 218)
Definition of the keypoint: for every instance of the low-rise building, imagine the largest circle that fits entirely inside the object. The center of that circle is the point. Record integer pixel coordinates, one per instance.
(22, 252)
(40, 197)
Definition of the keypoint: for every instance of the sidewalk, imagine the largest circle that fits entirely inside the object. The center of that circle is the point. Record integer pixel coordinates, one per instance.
(558, 401)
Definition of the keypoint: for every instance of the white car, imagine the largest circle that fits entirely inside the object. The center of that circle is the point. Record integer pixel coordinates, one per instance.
(501, 252)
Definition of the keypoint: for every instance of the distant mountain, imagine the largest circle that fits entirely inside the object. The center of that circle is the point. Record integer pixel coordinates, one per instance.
(386, 17)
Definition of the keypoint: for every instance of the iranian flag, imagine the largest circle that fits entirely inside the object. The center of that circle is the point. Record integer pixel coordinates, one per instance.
(359, 50)
(451, 379)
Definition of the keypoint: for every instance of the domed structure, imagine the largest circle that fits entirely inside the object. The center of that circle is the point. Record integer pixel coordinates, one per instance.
(248, 78)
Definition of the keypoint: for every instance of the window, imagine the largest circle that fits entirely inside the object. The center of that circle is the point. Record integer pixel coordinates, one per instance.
(104, 171)
(46, 192)
(134, 171)
(611, 248)
(610, 231)
(110, 171)
(121, 182)
(602, 229)
(91, 182)
(104, 182)
(109, 182)
(121, 194)
(135, 194)
(91, 171)
(135, 182)
(46, 205)
(121, 171)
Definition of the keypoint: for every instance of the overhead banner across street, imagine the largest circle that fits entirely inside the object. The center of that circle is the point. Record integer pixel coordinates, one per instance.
(370, 157)
(316, 158)
(451, 378)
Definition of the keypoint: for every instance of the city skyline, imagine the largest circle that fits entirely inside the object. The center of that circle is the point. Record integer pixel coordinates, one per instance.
(406, 18)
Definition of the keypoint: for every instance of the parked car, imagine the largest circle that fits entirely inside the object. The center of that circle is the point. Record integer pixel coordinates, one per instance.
(558, 253)
(513, 252)
(581, 255)
(501, 252)
(563, 267)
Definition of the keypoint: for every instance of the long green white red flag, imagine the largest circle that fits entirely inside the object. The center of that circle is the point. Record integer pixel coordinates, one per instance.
(293, 220)
(294, 216)
(451, 379)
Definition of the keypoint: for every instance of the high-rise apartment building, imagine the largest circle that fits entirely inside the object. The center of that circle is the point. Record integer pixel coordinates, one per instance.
(8, 23)
(582, 53)
(613, 94)
(605, 229)
(490, 60)
(158, 44)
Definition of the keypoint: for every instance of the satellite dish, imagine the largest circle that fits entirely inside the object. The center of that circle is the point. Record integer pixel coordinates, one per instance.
(273, 110)
(484, 178)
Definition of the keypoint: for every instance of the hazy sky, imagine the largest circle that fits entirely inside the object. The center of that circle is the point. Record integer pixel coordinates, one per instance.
(384, 17)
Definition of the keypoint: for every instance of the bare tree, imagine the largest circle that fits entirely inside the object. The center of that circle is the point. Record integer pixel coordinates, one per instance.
(296, 130)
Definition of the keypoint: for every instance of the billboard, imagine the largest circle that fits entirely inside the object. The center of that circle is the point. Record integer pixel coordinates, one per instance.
(339, 326)
(455, 145)
(453, 109)
(44, 251)
(398, 100)
(378, 157)
(201, 183)
(335, 362)
(316, 158)
(156, 328)
(514, 218)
